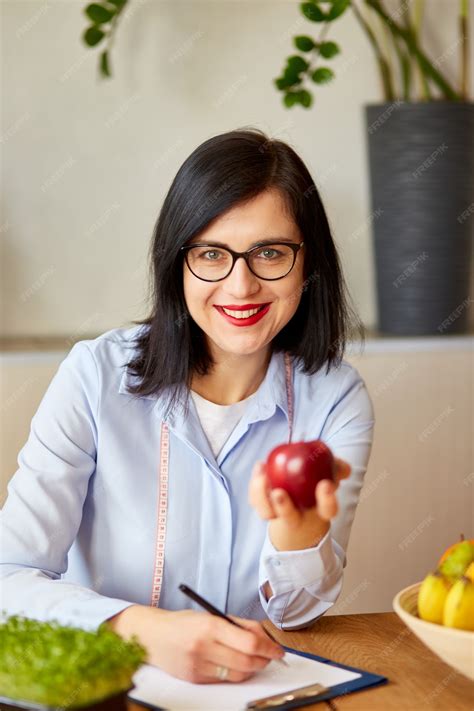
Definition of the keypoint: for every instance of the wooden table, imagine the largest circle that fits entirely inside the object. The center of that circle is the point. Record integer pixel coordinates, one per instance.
(382, 644)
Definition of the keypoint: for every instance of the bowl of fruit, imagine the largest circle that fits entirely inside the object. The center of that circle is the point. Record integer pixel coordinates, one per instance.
(440, 609)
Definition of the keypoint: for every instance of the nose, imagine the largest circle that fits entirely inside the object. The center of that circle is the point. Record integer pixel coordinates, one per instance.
(241, 281)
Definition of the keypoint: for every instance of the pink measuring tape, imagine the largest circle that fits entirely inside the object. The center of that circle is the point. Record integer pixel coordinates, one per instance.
(163, 488)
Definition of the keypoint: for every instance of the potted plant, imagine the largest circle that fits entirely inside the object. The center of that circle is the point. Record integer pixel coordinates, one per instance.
(44, 665)
(421, 161)
(420, 152)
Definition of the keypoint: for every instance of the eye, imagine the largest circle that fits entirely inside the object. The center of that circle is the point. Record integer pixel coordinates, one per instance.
(270, 249)
(210, 251)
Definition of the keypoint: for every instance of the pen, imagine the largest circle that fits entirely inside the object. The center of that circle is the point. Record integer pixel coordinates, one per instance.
(213, 610)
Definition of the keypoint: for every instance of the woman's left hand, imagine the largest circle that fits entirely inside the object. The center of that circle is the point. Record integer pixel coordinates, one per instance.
(291, 528)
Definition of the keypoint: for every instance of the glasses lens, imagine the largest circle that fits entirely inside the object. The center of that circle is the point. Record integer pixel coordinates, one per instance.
(272, 261)
(268, 262)
(209, 263)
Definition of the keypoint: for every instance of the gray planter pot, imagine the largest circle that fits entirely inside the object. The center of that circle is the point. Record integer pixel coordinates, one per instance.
(421, 163)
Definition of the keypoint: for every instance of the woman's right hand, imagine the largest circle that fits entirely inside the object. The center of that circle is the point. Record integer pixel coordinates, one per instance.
(190, 645)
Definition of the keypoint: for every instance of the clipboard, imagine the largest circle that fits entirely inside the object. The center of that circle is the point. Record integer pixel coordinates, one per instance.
(301, 699)
(366, 680)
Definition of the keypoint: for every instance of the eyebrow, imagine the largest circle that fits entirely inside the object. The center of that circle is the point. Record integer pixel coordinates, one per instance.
(259, 242)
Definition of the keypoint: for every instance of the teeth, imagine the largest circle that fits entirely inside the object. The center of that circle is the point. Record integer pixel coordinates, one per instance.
(241, 314)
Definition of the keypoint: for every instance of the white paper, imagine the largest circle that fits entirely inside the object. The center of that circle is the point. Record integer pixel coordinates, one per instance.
(154, 686)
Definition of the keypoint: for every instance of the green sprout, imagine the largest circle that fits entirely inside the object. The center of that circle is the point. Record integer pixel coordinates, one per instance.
(47, 663)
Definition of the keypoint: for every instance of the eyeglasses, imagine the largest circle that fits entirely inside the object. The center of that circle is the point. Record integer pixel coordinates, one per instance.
(269, 261)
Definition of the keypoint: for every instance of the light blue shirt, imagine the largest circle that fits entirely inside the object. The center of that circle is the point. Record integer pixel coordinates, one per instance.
(78, 529)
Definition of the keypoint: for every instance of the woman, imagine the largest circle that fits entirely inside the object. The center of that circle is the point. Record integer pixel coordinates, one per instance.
(144, 467)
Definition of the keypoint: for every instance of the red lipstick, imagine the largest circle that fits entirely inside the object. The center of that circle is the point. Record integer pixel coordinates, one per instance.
(264, 308)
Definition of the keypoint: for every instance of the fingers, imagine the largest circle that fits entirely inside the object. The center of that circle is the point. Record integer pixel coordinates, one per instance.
(205, 672)
(249, 641)
(327, 506)
(343, 469)
(242, 651)
(259, 492)
(276, 503)
(284, 507)
(256, 627)
(234, 659)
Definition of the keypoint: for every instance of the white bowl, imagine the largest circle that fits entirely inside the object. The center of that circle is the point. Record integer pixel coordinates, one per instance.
(454, 646)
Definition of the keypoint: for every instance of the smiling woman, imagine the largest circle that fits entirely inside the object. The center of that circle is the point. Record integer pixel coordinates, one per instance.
(241, 194)
(144, 467)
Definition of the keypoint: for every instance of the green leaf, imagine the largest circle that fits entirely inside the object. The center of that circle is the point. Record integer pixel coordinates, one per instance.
(338, 7)
(104, 64)
(296, 63)
(99, 14)
(328, 49)
(313, 12)
(322, 75)
(117, 3)
(305, 98)
(302, 97)
(286, 81)
(290, 98)
(93, 35)
(304, 43)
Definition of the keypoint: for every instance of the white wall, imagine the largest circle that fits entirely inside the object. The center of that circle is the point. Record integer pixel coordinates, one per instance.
(88, 162)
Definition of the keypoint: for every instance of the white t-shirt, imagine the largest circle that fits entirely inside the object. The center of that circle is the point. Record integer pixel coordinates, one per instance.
(219, 421)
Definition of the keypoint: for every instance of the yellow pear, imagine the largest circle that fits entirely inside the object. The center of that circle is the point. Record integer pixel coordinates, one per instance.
(432, 597)
(459, 606)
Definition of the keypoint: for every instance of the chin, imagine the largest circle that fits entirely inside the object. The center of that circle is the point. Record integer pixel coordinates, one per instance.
(240, 349)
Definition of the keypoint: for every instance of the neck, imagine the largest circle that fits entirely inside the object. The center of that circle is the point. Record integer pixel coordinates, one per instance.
(233, 377)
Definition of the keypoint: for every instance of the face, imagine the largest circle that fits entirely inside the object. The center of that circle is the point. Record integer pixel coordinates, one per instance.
(264, 217)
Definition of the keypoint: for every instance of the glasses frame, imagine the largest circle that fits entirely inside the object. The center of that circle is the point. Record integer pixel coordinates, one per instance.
(245, 255)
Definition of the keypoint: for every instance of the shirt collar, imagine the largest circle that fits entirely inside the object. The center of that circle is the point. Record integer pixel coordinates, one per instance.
(270, 394)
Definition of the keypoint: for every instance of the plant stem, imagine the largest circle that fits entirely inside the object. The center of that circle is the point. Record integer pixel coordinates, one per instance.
(384, 68)
(113, 27)
(419, 7)
(464, 31)
(404, 57)
(425, 65)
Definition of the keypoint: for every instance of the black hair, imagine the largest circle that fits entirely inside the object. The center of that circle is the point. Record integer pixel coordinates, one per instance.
(224, 171)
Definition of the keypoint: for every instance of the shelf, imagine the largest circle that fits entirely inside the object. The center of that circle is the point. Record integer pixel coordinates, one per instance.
(375, 343)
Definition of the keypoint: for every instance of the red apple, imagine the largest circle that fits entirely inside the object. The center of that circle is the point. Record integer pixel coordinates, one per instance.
(298, 467)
